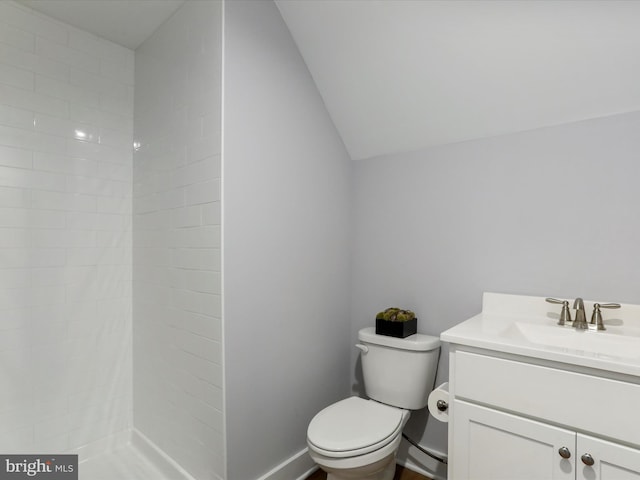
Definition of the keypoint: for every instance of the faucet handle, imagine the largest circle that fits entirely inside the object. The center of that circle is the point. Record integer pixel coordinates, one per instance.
(596, 316)
(565, 314)
(608, 305)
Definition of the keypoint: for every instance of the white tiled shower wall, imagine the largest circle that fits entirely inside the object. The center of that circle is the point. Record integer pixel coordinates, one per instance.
(66, 123)
(177, 353)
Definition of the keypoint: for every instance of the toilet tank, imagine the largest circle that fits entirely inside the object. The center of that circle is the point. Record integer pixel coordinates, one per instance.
(399, 371)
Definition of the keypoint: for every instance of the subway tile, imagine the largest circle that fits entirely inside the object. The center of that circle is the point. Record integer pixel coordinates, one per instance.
(204, 412)
(115, 138)
(169, 199)
(68, 56)
(15, 197)
(17, 418)
(97, 256)
(207, 371)
(100, 118)
(63, 90)
(118, 68)
(121, 156)
(49, 162)
(118, 101)
(203, 281)
(32, 257)
(16, 117)
(66, 128)
(114, 171)
(106, 238)
(47, 200)
(110, 221)
(16, 77)
(64, 238)
(11, 278)
(204, 192)
(197, 302)
(47, 276)
(196, 237)
(49, 29)
(89, 150)
(23, 178)
(200, 346)
(33, 62)
(194, 173)
(213, 395)
(17, 37)
(15, 318)
(81, 220)
(186, 217)
(211, 214)
(20, 138)
(28, 218)
(11, 441)
(85, 42)
(16, 157)
(45, 296)
(65, 210)
(14, 14)
(146, 204)
(34, 101)
(119, 205)
(14, 238)
(89, 185)
(186, 382)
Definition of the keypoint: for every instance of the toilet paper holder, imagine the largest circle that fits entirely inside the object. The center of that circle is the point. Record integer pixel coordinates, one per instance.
(442, 405)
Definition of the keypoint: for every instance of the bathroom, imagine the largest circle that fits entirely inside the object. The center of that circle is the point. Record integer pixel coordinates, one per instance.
(203, 292)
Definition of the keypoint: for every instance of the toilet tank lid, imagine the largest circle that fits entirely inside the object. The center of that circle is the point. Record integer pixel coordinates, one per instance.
(417, 342)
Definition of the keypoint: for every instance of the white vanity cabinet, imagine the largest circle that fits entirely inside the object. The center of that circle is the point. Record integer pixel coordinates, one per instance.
(520, 418)
(494, 445)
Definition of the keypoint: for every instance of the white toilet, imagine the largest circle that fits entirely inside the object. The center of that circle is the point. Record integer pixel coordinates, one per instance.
(357, 439)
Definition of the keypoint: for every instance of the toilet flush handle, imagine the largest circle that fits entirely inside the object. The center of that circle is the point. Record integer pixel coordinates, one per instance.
(364, 348)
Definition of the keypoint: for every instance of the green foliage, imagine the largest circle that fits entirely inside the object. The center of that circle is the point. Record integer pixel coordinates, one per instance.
(394, 314)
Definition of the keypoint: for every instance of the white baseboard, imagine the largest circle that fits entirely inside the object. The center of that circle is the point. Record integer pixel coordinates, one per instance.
(158, 457)
(299, 467)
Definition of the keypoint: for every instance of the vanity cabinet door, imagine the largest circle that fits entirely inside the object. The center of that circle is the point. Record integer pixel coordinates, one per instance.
(490, 445)
(610, 460)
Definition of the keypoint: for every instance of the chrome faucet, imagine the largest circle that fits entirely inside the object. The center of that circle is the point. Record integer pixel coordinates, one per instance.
(580, 322)
(596, 317)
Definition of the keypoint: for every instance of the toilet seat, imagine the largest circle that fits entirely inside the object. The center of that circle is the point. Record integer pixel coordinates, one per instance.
(354, 426)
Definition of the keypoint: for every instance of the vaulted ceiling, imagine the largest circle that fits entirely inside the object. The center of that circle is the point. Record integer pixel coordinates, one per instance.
(400, 75)
(403, 75)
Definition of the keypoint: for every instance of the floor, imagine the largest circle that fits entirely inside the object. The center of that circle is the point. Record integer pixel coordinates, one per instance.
(401, 474)
(122, 464)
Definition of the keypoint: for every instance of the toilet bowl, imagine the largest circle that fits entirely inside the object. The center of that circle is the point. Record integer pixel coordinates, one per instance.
(357, 438)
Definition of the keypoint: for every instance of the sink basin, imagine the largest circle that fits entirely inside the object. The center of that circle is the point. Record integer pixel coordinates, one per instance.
(621, 343)
(527, 326)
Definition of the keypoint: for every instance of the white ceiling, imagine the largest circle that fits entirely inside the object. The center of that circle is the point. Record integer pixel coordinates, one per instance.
(403, 75)
(125, 22)
(400, 75)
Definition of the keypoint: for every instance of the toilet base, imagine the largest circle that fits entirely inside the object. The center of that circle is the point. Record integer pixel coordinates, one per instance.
(383, 469)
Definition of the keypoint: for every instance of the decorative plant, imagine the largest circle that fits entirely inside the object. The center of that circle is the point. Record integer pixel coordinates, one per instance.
(395, 314)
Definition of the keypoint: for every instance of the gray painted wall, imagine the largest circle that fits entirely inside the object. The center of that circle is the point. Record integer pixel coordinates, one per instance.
(550, 212)
(286, 178)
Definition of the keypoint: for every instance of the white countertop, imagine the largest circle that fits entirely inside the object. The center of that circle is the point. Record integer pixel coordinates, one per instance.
(526, 325)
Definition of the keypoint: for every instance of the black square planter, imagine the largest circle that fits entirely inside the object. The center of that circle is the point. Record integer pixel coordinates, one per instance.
(396, 329)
